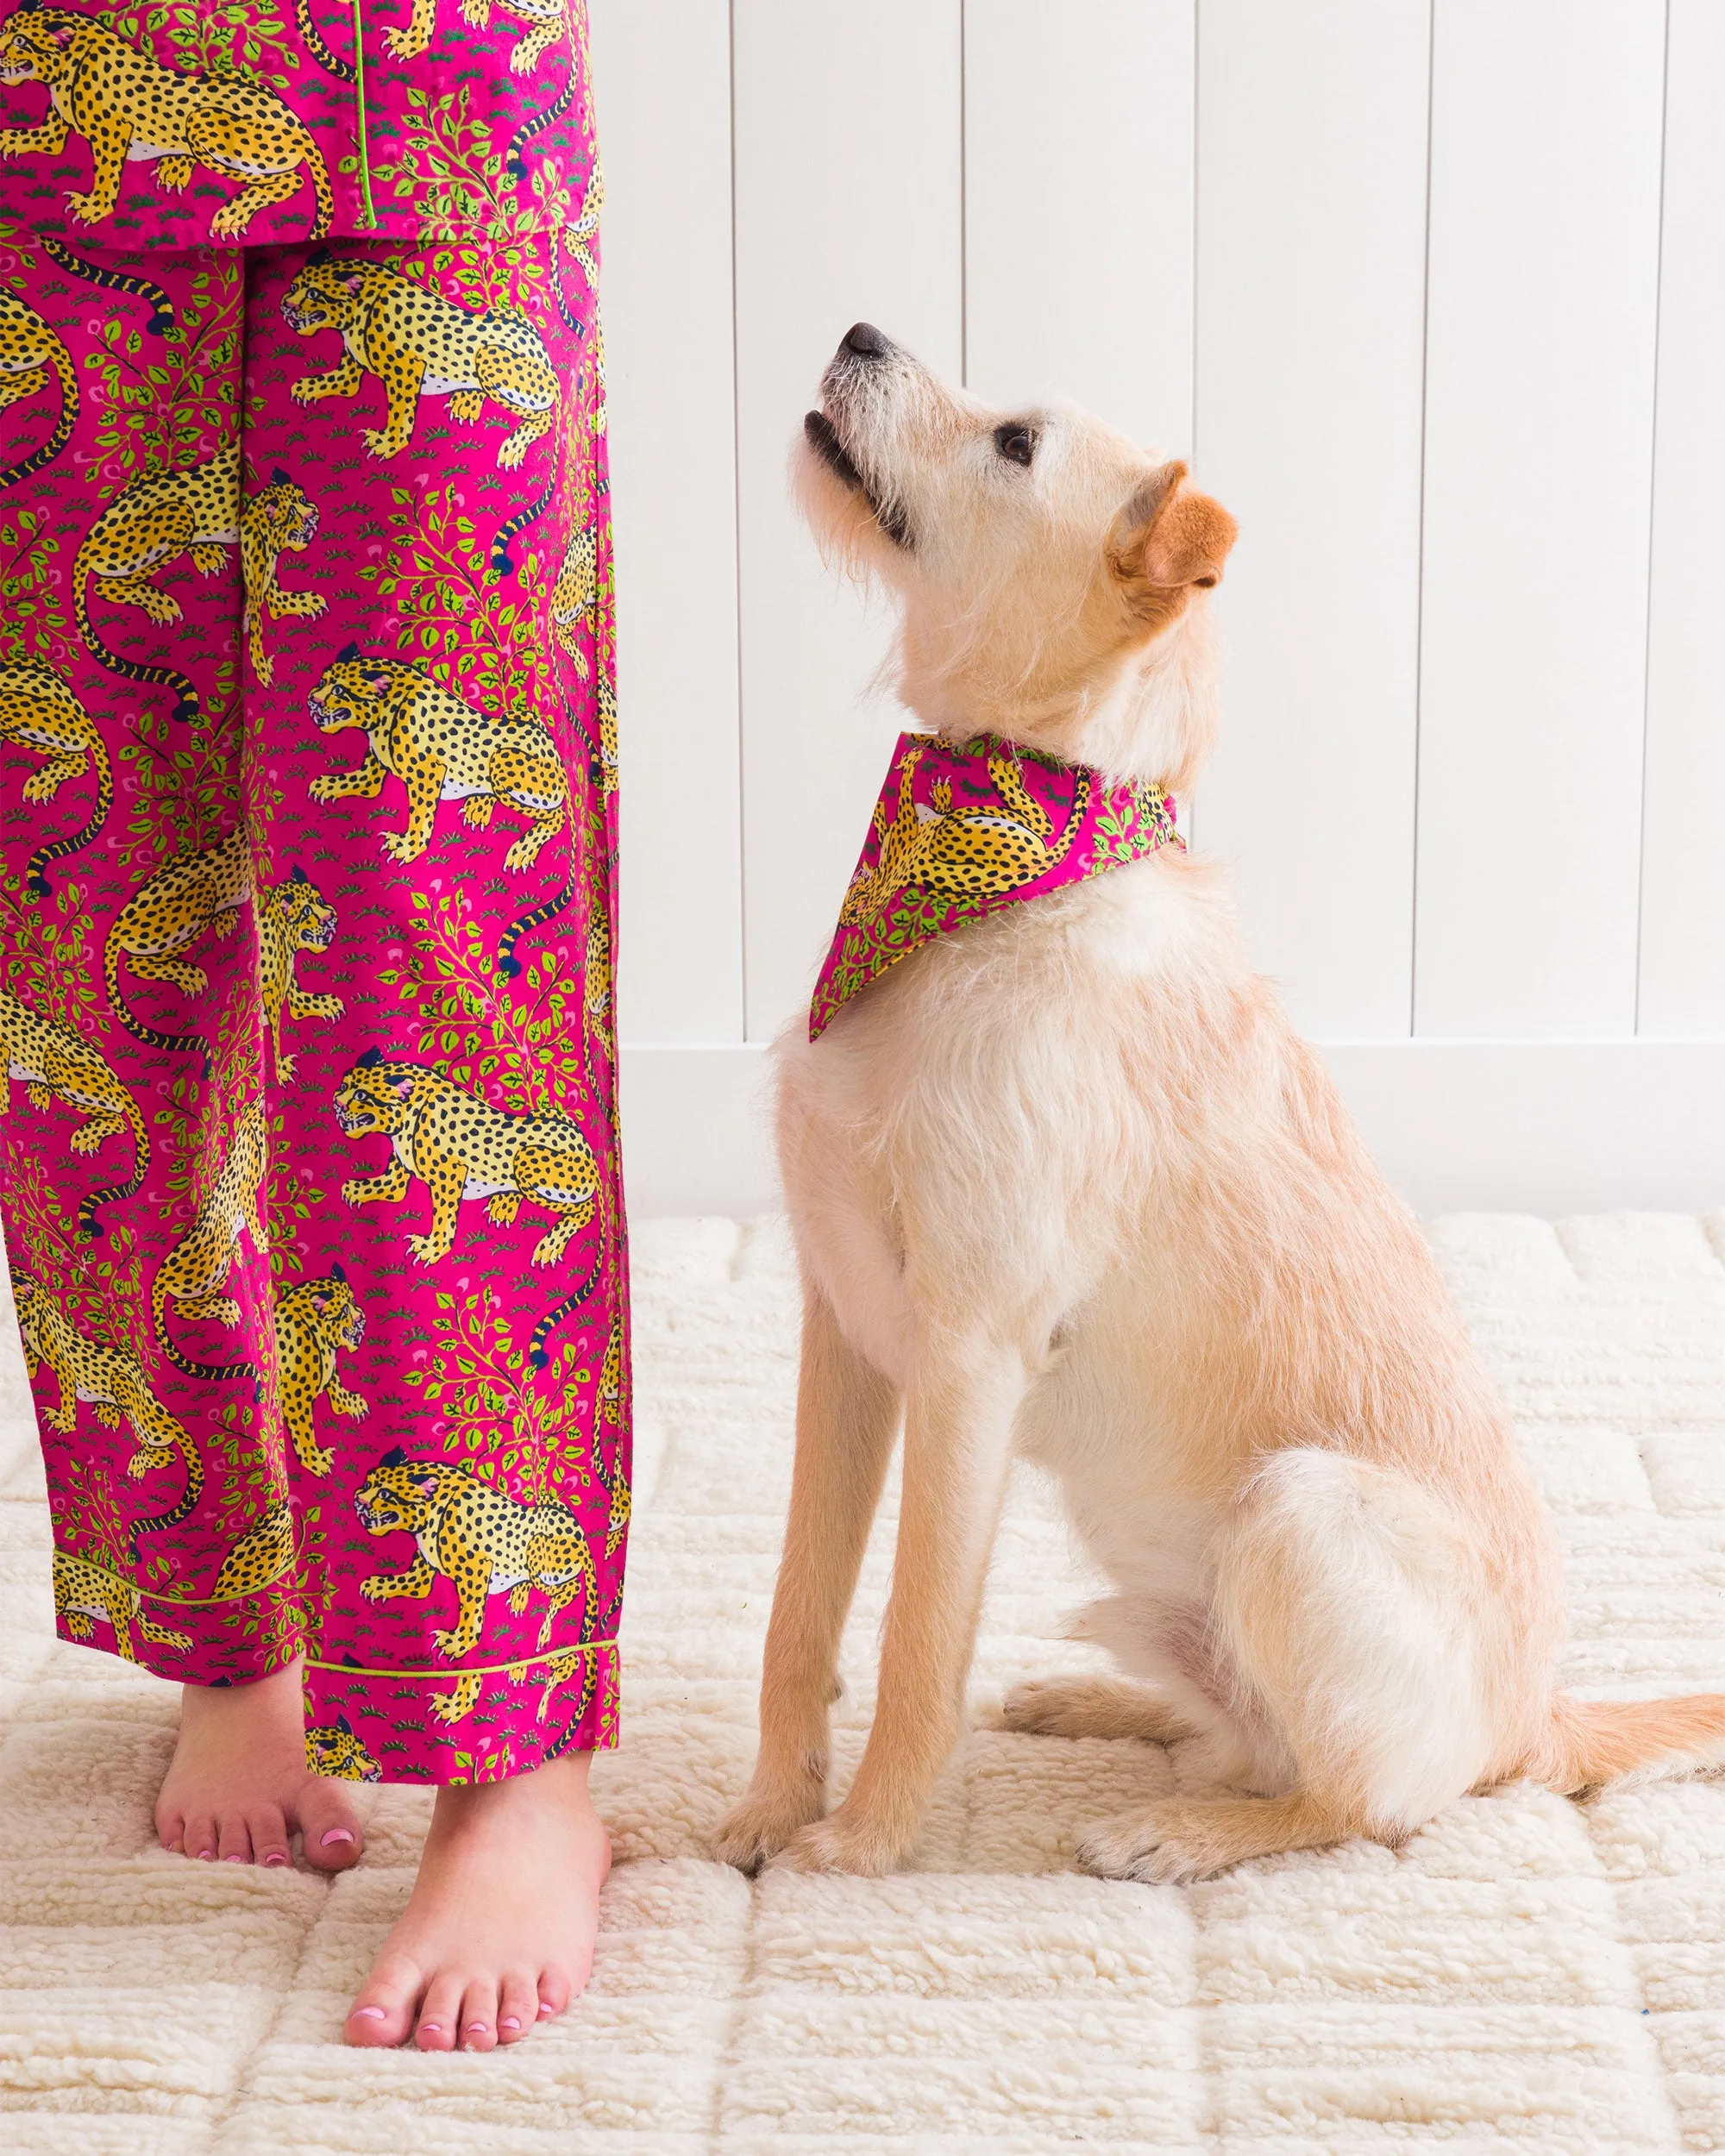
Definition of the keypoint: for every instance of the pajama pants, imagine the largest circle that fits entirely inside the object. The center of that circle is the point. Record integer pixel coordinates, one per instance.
(307, 890)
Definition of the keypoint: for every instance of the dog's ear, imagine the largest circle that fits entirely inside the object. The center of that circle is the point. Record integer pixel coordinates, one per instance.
(1168, 539)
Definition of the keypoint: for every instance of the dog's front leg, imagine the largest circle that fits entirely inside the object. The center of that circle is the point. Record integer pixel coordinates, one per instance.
(964, 1394)
(847, 1416)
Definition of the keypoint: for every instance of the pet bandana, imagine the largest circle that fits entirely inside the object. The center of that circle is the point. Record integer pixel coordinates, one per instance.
(958, 833)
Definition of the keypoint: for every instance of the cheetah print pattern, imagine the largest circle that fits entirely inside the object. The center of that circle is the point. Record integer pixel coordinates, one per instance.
(117, 131)
(307, 894)
(332, 1749)
(316, 1321)
(483, 1542)
(961, 830)
(86, 1596)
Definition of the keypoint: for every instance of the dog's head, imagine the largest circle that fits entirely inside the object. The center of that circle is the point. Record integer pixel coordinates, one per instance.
(1051, 574)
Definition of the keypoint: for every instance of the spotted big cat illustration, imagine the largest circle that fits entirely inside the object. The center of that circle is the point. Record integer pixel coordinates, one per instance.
(462, 1147)
(480, 1539)
(56, 1064)
(443, 749)
(315, 1321)
(157, 516)
(39, 712)
(419, 344)
(191, 1277)
(190, 896)
(87, 1595)
(113, 1382)
(132, 110)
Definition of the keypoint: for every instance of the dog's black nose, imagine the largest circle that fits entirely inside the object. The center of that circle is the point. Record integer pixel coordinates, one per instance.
(866, 342)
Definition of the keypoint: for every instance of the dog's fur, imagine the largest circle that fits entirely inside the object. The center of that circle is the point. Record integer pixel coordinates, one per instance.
(1066, 1182)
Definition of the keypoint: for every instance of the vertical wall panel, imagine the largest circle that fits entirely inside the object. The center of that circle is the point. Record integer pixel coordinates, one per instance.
(1078, 208)
(1311, 244)
(1545, 150)
(662, 69)
(848, 205)
(1682, 873)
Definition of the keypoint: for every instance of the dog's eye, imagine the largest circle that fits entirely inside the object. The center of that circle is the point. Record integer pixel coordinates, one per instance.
(1016, 441)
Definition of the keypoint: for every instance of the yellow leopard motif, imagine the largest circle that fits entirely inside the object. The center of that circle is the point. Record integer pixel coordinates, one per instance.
(192, 1274)
(56, 1064)
(575, 596)
(114, 1384)
(333, 1750)
(84, 1593)
(280, 519)
(442, 749)
(30, 351)
(38, 711)
(261, 1555)
(131, 109)
(462, 1148)
(315, 1319)
(549, 19)
(959, 853)
(419, 344)
(156, 518)
(478, 1539)
(190, 896)
(292, 917)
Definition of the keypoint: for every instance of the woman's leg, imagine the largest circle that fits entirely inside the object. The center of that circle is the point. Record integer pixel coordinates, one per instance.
(431, 789)
(139, 1195)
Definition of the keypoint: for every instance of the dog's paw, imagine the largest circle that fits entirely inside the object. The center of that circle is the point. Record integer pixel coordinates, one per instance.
(842, 1842)
(1040, 1709)
(754, 1830)
(1091, 1707)
(1163, 1842)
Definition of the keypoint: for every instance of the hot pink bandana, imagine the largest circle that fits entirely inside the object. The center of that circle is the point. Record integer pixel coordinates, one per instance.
(959, 832)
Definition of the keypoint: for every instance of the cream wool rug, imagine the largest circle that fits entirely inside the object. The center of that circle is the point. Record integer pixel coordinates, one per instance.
(1526, 1973)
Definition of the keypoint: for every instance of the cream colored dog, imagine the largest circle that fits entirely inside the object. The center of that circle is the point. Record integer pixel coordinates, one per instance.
(1066, 1183)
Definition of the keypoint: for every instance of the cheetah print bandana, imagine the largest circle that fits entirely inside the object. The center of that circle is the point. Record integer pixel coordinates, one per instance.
(959, 832)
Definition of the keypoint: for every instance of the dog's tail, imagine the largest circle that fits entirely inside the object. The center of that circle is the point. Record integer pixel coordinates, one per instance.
(1597, 1741)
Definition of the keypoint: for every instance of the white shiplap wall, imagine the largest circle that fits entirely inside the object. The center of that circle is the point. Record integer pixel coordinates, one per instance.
(1434, 293)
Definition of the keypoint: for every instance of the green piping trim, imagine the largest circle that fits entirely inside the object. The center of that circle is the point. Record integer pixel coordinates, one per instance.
(443, 1676)
(182, 1601)
(360, 118)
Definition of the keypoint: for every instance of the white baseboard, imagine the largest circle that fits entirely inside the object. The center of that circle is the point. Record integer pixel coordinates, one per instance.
(1549, 1127)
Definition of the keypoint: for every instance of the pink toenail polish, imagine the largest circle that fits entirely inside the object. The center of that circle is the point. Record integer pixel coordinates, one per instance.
(206, 1856)
(481, 2026)
(235, 1859)
(334, 1834)
(367, 2014)
(277, 1859)
(544, 2010)
(509, 2022)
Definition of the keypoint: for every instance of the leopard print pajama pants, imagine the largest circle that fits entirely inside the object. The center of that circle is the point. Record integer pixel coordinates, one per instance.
(308, 850)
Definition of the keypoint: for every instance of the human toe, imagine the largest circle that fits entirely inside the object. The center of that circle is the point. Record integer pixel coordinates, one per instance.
(556, 1990)
(479, 2016)
(267, 1829)
(439, 2025)
(233, 1838)
(518, 2006)
(201, 1836)
(331, 1832)
(383, 2012)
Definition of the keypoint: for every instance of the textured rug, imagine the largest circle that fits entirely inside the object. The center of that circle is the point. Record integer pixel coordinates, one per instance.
(1526, 1973)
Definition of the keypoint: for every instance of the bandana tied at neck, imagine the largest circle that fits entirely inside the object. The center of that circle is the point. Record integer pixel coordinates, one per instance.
(958, 833)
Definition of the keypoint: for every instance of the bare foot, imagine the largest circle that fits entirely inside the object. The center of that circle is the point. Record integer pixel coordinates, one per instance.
(238, 1786)
(498, 1932)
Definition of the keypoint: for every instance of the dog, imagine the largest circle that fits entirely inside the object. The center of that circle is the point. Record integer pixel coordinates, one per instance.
(1066, 1183)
